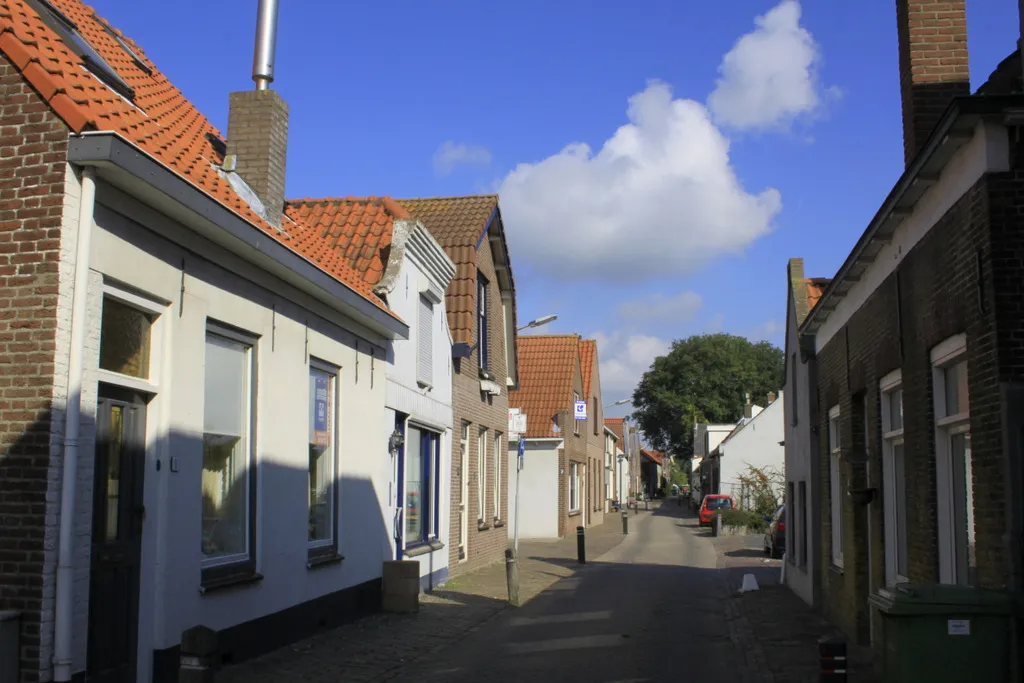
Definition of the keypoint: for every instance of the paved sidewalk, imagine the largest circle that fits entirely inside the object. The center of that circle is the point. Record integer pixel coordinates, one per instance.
(377, 648)
(775, 630)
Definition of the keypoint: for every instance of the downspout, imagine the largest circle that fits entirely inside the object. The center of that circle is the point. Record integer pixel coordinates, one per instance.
(63, 658)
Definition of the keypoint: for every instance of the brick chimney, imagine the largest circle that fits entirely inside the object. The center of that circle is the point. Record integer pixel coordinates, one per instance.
(933, 65)
(258, 123)
(770, 398)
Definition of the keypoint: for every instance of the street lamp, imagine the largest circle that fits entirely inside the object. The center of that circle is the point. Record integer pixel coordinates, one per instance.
(621, 401)
(538, 322)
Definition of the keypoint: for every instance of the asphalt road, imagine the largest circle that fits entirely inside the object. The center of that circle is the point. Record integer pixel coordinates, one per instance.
(651, 609)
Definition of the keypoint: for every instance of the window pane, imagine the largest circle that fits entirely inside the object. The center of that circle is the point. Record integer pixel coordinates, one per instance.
(955, 378)
(900, 511)
(124, 339)
(225, 478)
(960, 447)
(414, 498)
(114, 446)
(481, 471)
(896, 410)
(321, 455)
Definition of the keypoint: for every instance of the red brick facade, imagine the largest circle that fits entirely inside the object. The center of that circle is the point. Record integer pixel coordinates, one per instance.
(33, 152)
(488, 538)
(574, 450)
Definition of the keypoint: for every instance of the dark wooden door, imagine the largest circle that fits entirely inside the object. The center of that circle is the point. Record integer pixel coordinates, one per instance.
(116, 537)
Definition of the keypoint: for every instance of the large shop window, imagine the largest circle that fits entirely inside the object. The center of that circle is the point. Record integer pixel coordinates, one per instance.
(422, 465)
(894, 479)
(835, 447)
(953, 471)
(323, 458)
(229, 459)
(574, 487)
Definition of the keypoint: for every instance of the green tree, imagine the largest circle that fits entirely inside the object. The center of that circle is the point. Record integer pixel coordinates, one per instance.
(703, 378)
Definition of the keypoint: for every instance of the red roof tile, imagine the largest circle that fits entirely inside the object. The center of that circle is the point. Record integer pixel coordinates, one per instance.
(547, 366)
(355, 231)
(588, 354)
(815, 287)
(615, 424)
(159, 120)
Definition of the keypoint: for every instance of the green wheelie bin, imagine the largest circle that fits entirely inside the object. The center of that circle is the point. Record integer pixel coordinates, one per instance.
(934, 633)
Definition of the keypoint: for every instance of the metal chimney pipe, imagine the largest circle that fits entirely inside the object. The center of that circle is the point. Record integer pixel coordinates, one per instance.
(266, 42)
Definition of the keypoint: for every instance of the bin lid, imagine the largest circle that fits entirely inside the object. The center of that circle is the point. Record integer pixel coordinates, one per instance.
(907, 598)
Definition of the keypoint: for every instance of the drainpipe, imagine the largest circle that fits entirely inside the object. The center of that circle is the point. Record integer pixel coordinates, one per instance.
(62, 657)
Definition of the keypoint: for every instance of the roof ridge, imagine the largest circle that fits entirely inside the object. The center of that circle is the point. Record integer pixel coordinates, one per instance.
(453, 196)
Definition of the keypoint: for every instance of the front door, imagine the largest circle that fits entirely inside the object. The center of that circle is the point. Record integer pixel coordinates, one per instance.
(116, 536)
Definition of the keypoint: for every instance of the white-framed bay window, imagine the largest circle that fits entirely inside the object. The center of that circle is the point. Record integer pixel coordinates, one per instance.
(322, 498)
(894, 479)
(574, 487)
(953, 471)
(229, 455)
(835, 447)
(481, 475)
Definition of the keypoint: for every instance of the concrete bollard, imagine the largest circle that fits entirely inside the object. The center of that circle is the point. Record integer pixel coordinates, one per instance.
(512, 577)
(581, 545)
(625, 523)
(718, 525)
(198, 655)
(401, 586)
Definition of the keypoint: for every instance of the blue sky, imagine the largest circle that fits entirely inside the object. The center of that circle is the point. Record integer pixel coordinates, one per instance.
(682, 225)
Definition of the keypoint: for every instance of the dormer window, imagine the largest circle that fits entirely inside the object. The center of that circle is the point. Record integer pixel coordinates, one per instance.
(68, 32)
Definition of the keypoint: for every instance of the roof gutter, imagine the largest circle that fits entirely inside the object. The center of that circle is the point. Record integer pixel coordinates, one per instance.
(954, 130)
(137, 173)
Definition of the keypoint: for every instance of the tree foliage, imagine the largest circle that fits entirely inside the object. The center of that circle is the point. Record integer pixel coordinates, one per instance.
(703, 378)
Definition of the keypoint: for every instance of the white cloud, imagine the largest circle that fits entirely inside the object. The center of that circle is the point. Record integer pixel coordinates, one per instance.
(716, 324)
(677, 308)
(451, 154)
(624, 358)
(766, 331)
(659, 197)
(769, 77)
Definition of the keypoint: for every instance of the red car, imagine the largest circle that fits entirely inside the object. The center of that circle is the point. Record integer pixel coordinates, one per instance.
(712, 505)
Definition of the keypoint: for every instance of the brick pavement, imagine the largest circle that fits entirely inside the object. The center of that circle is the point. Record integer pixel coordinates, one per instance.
(378, 647)
(774, 630)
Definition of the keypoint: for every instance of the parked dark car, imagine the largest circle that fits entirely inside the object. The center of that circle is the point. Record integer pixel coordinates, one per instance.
(775, 537)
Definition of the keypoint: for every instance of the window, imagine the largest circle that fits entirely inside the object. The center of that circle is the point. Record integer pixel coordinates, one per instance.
(68, 32)
(421, 481)
(483, 353)
(790, 536)
(954, 473)
(793, 389)
(497, 476)
(125, 339)
(425, 341)
(322, 458)
(481, 472)
(894, 480)
(228, 481)
(835, 447)
(574, 487)
(575, 422)
(801, 521)
(593, 414)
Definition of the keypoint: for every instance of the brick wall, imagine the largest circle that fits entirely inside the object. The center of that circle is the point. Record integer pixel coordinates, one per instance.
(574, 451)
(258, 135)
(487, 542)
(942, 287)
(33, 151)
(933, 64)
(595, 450)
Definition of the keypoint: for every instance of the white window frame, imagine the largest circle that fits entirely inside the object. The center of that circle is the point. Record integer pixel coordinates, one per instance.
(497, 476)
(333, 372)
(151, 384)
(574, 487)
(953, 560)
(249, 342)
(835, 445)
(481, 474)
(894, 490)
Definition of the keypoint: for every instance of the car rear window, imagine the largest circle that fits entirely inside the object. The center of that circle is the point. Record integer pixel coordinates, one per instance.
(719, 503)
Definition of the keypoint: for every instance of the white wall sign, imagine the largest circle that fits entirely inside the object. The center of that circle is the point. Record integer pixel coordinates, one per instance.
(959, 627)
(581, 410)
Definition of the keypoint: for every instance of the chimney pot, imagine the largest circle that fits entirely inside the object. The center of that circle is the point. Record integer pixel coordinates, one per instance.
(933, 65)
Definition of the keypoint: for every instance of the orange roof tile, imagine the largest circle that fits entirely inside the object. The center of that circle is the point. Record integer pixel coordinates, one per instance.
(656, 456)
(547, 366)
(355, 231)
(457, 224)
(159, 120)
(815, 287)
(588, 354)
(615, 424)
